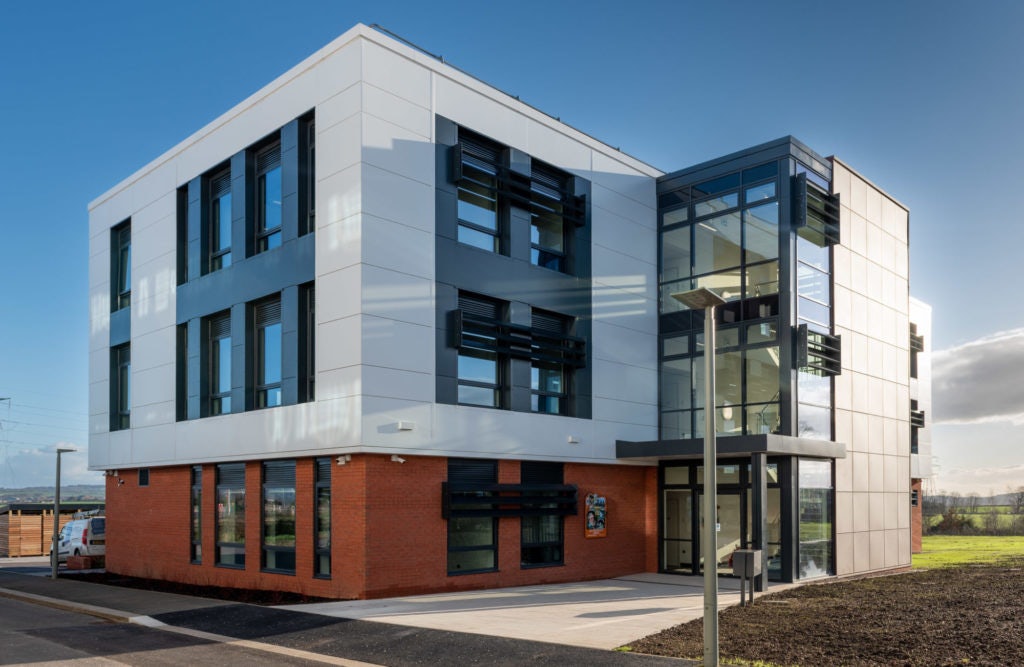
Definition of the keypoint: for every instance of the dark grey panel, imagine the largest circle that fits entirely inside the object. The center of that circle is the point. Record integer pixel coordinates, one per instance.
(290, 345)
(197, 382)
(197, 245)
(732, 446)
(269, 272)
(242, 231)
(120, 326)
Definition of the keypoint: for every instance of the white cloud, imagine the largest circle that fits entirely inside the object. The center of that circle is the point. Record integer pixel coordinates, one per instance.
(981, 480)
(980, 381)
(37, 467)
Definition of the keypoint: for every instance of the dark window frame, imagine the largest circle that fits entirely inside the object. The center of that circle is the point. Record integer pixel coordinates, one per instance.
(218, 186)
(121, 266)
(120, 387)
(457, 468)
(266, 314)
(266, 160)
(278, 470)
(216, 332)
(322, 490)
(196, 516)
(309, 164)
(143, 477)
(307, 339)
(233, 468)
(544, 472)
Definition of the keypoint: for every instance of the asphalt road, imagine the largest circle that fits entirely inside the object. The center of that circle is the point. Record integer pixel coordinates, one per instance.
(30, 633)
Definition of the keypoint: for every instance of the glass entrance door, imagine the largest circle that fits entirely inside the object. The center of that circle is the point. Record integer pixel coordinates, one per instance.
(734, 528)
(678, 531)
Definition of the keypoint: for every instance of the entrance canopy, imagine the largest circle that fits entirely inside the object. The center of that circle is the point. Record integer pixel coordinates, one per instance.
(729, 446)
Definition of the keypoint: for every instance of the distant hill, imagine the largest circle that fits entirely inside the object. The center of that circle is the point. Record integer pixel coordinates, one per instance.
(42, 494)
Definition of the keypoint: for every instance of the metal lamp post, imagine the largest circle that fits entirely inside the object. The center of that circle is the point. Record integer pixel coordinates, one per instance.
(56, 513)
(706, 300)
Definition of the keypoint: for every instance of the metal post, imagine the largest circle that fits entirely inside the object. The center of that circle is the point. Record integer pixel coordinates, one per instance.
(710, 536)
(704, 299)
(56, 521)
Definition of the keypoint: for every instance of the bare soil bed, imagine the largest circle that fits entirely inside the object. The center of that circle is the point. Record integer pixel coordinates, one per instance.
(970, 615)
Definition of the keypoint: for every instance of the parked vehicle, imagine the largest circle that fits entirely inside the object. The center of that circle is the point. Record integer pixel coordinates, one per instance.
(82, 537)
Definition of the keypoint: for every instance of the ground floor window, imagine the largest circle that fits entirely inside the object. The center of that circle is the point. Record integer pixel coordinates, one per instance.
(322, 490)
(472, 540)
(815, 527)
(682, 511)
(279, 516)
(195, 525)
(231, 515)
(541, 535)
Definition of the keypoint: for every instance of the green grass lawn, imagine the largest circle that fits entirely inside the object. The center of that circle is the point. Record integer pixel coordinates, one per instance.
(953, 550)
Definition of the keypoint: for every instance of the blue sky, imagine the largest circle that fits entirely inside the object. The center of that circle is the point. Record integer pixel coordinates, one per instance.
(923, 98)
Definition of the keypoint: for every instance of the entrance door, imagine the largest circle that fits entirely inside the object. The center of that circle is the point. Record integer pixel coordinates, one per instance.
(732, 533)
(678, 531)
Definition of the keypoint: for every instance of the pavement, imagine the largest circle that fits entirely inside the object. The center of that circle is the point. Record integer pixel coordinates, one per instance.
(570, 624)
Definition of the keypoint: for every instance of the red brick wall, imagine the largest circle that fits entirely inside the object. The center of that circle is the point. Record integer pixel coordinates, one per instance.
(388, 534)
(916, 518)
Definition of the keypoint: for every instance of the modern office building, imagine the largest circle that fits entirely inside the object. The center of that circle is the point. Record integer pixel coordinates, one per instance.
(383, 329)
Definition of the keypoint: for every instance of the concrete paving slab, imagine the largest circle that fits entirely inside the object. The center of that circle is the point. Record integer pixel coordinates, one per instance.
(598, 614)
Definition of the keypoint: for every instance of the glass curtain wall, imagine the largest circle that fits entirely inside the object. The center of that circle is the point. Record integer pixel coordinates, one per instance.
(815, 527)
(722, 234)
(814, 309)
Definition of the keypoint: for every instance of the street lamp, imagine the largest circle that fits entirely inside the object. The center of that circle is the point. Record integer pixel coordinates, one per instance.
(56, 512)
(706, 300)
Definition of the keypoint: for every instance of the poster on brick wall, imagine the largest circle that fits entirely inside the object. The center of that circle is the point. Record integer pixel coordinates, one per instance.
(597, 516)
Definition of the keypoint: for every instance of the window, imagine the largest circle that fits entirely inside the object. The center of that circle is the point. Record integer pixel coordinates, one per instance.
(219, 364)
(915, 497)
(143, 476)
(548, 187)
(549, 378)
(472, 540)
(477, 166)
(120, 387)
(480, 370)
(267, 316)
(279, 516)
(231, 515)
(268, 198)
(916, 424)
(916, 347)
(121, 254)
(487, 188)
(309, 225)
(181, 373)
(541, 536)
(219, 226)
(196, 509)
(307, 338)
(322, 519)
(815, 516)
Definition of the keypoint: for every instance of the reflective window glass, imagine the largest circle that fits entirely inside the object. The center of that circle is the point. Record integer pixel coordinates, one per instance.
(674, 345)
(716, 244)
(814, 421)
(675, 254)
(676, 384)
(813, 283)
(761, 226)
(814, 388)
(716, 205)
(763, 419)
(725, 284)
(811, 310)
(815, 254)
(674, 217)
(728, 378)
(482, 368)
(762, 280)
(762, 332)
(762, 374)
(759, 192)
(727, 337)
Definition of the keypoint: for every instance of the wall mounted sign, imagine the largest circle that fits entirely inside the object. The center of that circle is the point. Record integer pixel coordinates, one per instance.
(597, 516)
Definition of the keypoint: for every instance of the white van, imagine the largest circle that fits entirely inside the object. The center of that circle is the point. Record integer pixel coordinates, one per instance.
(82, 537)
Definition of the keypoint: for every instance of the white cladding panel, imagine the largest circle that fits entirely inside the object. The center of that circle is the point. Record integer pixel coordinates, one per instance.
(375, 103)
